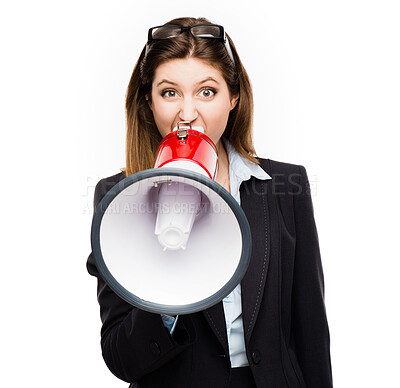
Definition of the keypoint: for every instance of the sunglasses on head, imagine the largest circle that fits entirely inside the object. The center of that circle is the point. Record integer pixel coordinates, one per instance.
(207, 31)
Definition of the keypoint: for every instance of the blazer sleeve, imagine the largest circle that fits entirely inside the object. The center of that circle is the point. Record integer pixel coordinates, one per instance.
(134, 342)
(309, 320)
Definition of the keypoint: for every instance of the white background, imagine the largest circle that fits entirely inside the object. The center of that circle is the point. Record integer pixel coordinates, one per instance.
(326, 84)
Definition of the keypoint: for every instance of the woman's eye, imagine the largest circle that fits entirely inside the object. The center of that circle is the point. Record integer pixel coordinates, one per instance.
(207, 93)
(168, 93)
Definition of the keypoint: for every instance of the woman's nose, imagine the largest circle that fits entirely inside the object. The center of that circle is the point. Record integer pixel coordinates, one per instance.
(188, 110)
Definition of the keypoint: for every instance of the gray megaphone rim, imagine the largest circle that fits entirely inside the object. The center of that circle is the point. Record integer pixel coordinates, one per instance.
(165, 308)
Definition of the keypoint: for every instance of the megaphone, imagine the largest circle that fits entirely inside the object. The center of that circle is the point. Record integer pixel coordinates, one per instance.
(170, 239)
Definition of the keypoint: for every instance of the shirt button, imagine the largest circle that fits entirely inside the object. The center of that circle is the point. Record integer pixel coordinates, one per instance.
(255, 356)
(155, 348)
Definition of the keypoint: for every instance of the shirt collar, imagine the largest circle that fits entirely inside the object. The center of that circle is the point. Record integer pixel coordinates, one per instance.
(241, 169)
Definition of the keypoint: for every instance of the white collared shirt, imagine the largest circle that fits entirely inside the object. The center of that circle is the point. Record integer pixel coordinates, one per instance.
(240, 170)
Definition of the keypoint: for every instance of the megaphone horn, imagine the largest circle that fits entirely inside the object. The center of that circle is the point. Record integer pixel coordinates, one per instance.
(185, 242)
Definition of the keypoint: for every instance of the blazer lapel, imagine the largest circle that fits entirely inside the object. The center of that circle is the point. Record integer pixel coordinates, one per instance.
(254, 202)
(215, 317)
(253, 198)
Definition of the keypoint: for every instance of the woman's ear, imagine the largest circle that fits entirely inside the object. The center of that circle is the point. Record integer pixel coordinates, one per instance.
(147, 97)
(234, 100)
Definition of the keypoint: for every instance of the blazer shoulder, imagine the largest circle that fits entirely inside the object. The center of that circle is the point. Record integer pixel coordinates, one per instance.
(106, 184)
(274, 167)
(286, 177)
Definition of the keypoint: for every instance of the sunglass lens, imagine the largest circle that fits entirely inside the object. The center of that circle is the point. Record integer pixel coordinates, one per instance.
(206, 31)
(165, 32)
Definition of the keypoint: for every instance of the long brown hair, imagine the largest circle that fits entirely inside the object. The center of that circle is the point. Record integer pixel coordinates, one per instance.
(143, 137)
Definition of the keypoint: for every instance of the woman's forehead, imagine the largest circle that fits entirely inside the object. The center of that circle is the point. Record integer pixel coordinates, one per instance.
(186, 70)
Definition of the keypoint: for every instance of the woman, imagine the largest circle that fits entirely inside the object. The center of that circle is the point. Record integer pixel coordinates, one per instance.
(272, 330)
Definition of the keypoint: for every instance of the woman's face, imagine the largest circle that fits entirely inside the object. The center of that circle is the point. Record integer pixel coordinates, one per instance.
(191, 90)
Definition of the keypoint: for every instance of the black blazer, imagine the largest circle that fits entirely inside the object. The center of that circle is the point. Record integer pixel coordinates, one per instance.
(285, 324)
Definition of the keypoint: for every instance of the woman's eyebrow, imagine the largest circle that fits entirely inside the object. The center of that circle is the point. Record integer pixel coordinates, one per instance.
(206, 80)
(166, 82)
(198, 83)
